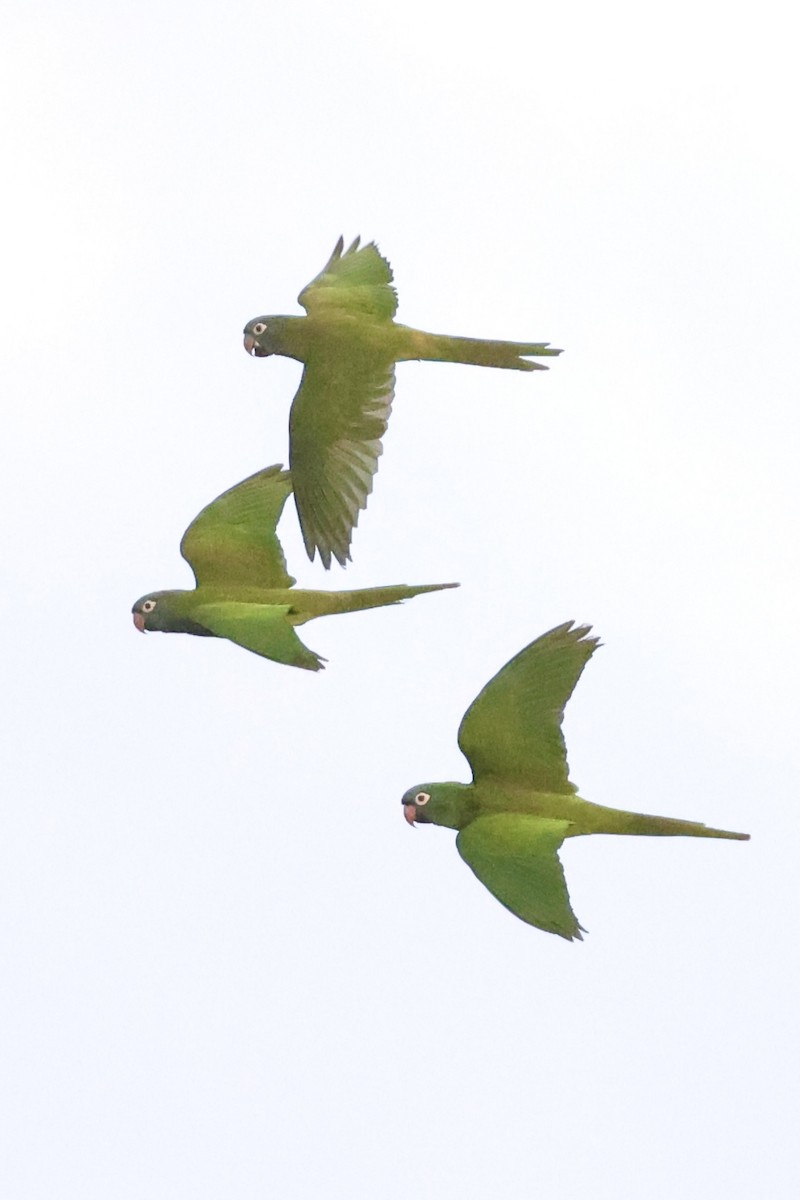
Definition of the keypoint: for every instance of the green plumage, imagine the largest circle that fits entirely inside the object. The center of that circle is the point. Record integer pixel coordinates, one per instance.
(244, 592)
(349, 344)
(521, 805)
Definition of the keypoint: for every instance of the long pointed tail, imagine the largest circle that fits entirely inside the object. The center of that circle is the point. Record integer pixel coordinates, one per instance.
(479, 352)
(668, 827)
(355, 601)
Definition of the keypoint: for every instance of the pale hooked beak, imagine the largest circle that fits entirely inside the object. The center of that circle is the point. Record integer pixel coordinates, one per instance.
(138, 620)
(253, 349)
(410, 813)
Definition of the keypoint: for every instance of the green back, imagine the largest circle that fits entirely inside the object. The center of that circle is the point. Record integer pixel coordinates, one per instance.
(357, 281)
(515, 856)
(512, 731)
(233, 541)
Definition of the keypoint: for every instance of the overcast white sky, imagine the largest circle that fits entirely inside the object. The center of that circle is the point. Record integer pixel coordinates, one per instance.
(230, 969)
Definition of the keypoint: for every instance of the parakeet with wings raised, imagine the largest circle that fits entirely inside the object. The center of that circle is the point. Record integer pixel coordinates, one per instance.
(243, 591)
(521, 805)
(349, 343)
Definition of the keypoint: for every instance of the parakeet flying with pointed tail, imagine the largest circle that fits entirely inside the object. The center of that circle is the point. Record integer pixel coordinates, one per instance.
(243, 591)
(349, 344)
(520, 806)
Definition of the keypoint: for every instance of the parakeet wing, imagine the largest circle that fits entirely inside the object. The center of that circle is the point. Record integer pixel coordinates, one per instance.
(515, 856)
(338, 418)
(512, 730)
(357, 281)
(262, 628)
(233, 540)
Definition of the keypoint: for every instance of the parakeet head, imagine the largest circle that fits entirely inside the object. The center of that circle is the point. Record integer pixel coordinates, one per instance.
(438, 804)
(163, 611)
(258, 338)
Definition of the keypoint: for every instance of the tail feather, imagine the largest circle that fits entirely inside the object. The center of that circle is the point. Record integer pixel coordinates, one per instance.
(362, 598)
(670, 827)
(480, 352)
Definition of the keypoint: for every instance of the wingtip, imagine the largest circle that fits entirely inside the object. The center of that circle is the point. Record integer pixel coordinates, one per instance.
(356, 246)
(328, 538)
(581, 634)
(574, 632)
(311, 661)
(342, 556)
(276, 471)
(327, 555)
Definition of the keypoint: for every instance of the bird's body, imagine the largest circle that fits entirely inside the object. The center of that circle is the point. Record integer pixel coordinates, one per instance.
(243, 591)
(304, 604)
(462, 803)
(521, 805)
(336, 333)
(349, 344)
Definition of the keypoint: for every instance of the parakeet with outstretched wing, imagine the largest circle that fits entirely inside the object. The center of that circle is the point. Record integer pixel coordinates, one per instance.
(349, 343)
(521, 805)
(244, 592)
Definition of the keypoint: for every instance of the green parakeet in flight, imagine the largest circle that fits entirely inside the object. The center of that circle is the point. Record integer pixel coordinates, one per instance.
(520, 806)
(349, 344)
(243, 591)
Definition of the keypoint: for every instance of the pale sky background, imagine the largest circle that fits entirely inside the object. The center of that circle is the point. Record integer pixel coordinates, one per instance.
(230, 969)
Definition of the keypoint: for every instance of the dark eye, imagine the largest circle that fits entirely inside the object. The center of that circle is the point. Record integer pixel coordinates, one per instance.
(259, 329)
(422, 798)
(148, 606)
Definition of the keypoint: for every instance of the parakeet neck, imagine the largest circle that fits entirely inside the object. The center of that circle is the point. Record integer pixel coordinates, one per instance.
(454, 804)
(174, 613)
(288, 336)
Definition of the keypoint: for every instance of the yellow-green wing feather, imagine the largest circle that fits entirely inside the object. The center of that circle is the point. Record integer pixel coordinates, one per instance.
(262, 628)
(234, 540)
(512, 730)
(356, 281)
(515, 856)
(338, 417)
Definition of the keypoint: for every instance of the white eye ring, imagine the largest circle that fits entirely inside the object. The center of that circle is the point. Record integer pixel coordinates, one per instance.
(259, 329)
(148, 606)
(422, 798)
